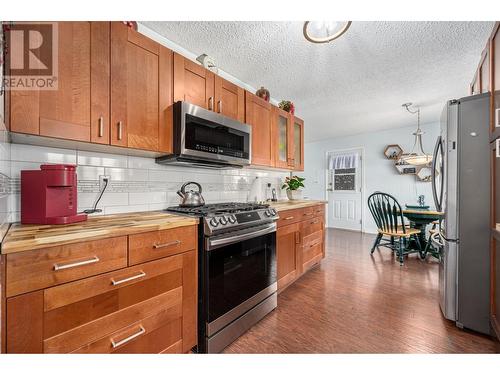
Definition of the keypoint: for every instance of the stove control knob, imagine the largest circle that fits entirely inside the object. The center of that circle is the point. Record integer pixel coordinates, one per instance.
(223, 220)
(232, 219)
(267, 213)
(214, 222)
(273, 212)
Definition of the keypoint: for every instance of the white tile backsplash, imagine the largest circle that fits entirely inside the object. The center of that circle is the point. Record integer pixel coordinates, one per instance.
(42, 155)
(101, 160)
(138, 183)
(125, 174)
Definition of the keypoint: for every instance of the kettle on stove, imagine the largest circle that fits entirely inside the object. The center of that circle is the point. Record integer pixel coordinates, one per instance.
(191, 198)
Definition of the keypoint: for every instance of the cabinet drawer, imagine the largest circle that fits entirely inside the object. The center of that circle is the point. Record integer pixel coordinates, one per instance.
(312, 239)
(151, 335)
(311, 226)
(154, 245)
(289, 217)
(37, 269)
(311, 255)
(319, 211)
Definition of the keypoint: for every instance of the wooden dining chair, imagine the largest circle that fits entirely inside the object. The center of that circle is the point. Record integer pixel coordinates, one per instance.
(388, 216)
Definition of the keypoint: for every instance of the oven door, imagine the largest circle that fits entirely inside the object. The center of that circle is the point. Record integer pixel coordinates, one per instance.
(241, 273)
(211, 136)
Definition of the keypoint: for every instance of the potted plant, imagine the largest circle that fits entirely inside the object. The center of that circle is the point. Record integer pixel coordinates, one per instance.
(287, 106)
(292, 186)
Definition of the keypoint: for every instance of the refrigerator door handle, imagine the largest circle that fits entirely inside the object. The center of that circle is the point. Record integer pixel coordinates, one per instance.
(437, 201)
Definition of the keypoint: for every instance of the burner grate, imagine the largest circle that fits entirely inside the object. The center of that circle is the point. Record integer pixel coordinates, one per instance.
(215, 208)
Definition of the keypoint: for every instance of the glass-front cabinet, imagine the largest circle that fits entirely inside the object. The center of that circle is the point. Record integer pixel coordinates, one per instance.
(298, 144)
(288, 141)
(283, 144)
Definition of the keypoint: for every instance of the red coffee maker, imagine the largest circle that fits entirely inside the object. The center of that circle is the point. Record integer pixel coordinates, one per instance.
(49, 196)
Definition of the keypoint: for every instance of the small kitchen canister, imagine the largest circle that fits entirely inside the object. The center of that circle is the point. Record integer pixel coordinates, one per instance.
(263, 93)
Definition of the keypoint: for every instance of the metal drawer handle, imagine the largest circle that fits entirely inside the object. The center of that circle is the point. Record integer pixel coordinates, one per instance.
(220, 106)
(116, 344)
(308, 214)
(58, 267)
(497, 117)
(115, 282)
(168, 244)
(497, 146)
(288, 218)
(101, 126)
(314, 222)
(211, 103)
(120, 130)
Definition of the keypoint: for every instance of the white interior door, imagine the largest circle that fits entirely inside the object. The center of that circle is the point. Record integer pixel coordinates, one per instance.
(345, 196)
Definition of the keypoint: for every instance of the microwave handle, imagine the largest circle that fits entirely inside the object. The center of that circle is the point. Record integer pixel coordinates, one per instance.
(213, 244)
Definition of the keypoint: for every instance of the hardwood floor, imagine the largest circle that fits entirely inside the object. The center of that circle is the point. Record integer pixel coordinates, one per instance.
(357, 303)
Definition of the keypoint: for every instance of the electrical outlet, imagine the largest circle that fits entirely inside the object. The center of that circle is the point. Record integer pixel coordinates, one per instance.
(101, 180)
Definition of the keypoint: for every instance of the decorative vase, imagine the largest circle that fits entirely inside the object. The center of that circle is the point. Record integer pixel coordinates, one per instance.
(294, 195)
(263, 93)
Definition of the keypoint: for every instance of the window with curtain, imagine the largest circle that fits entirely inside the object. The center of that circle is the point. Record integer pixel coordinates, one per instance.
(342, 171)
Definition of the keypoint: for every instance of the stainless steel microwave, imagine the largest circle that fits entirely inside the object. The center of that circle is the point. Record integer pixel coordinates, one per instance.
(202, 138)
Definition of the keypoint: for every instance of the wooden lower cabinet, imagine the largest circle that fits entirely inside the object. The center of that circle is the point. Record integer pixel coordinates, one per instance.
(495, 286)
(144, 308)
(300, 243)
(287, 249)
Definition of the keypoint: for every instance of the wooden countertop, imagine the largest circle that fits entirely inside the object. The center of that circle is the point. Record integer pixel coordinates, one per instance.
(290, 205)
(29, 237)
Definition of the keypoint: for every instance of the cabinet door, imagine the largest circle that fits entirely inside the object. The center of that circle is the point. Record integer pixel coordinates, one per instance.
(69, 112)
(146, 308)
(287, 244)
(141, 84)
(476, 84)
(298, 144)
(229, 99)
(484, 70)
(258, 115)
(495, 285)
(495, 79)
(283, 139)
(193, 83)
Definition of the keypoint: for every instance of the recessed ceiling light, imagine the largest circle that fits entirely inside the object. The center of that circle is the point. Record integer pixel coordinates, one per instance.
(324, 31)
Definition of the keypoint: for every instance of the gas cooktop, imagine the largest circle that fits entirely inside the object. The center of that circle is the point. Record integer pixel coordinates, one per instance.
(218, 208)
(224, 217)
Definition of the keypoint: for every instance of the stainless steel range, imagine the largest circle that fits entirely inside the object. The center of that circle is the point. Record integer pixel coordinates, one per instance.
(237, 269)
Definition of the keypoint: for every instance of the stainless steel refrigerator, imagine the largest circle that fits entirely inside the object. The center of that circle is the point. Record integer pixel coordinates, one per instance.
(461, 188)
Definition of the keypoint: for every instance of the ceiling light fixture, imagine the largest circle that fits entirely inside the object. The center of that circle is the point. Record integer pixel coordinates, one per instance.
(324, 31)
(417, 156)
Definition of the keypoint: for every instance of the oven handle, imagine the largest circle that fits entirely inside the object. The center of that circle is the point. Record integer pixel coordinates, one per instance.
(213, 244)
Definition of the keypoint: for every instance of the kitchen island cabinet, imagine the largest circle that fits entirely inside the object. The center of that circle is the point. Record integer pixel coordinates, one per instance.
(101, 286)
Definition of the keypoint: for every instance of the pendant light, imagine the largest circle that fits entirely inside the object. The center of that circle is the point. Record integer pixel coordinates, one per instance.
(324, 31)
(417, 156)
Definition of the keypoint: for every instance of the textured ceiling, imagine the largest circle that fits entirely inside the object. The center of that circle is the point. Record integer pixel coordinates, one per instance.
(355, 84)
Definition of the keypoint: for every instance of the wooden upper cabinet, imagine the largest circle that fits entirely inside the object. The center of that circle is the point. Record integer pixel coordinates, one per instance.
(258, 114)
(298, 144)
(70, 111)
(495, 78)
(229, 99)
(141, 90)
(484, 70)
(282, 139)
(193, 83)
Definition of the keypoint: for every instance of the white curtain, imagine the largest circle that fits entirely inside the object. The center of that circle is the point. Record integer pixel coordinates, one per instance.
(343, 161)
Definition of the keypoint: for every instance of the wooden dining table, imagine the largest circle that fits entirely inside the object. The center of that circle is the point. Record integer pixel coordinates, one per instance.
(419, 219)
